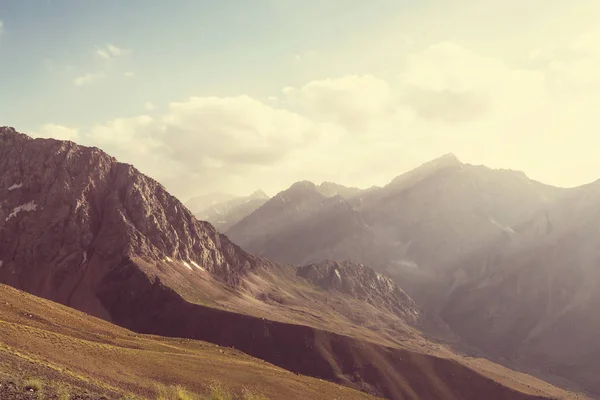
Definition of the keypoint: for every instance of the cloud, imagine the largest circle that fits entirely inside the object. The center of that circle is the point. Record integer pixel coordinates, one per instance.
(129, 74)
(59, 132)
(110, 51)
(352, 101)
(528, 112)
(1, 27)
(588, 43)
(88, 78)
(578, 67)
(362, 125)
(204, 140)
(447, 82)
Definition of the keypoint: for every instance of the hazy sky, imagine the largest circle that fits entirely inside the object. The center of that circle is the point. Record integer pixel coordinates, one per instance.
(236, 95)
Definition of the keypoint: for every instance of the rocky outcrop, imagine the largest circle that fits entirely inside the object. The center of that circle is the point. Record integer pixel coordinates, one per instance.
(362, 283)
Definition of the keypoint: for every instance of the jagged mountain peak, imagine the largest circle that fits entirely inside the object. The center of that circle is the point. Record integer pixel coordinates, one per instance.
(258, 194)
(299, 192)
(9, 131)
(444, 163)
(70, 216)
(301, 185)
(331, 189)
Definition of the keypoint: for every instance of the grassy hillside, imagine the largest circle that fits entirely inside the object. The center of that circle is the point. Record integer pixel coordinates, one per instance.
(48, 350)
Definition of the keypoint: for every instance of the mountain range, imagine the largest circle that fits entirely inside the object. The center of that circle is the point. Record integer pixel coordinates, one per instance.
(80, 228)
(500, 264)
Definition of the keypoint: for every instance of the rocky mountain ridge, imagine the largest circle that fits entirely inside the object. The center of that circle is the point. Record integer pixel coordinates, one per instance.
(79, 214)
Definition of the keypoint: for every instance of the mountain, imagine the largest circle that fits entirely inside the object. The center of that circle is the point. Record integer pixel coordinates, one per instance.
(414, 228)
(227, 213)
(498, 263)
(199, 203)
(331, 189)
(79, 228)
(532, 297)
(301, 225)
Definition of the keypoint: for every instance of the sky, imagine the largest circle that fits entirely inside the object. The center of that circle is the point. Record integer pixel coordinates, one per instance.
(237, 95)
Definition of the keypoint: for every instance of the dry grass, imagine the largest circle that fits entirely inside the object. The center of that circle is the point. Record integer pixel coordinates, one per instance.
(34, 386)
(67, 349)
(216, 391)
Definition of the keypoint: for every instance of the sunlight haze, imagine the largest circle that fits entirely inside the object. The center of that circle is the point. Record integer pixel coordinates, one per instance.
(236, 96)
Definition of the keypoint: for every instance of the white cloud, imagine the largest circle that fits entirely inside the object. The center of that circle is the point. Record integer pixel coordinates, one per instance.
(88, 78)
(352, 101)
(129, 74)
(581, 69)
(110, 51)
(1, 26)
(205, 140)
(59, 132)
(149, 106)
(587, 43)
(450, 83)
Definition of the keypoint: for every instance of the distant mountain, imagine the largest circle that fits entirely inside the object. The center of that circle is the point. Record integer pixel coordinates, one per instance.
(227, 213)
(496, 261)
(82, 229)
(199, 203)
(532, 296)
(444, 205)
(301, 225)
(331, 189)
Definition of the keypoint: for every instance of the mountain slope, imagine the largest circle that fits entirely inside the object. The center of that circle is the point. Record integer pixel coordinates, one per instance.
(301, 225)
(80, 214)
(446, 205)
(363, 283)
(80, 228)
(537, 293)
(65, 348)
(496, 262)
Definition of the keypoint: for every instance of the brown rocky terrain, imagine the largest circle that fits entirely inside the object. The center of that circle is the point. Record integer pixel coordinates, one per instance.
(84, 230)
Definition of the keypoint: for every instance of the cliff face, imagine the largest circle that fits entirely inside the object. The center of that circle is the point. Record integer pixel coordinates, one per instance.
(70, 214)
